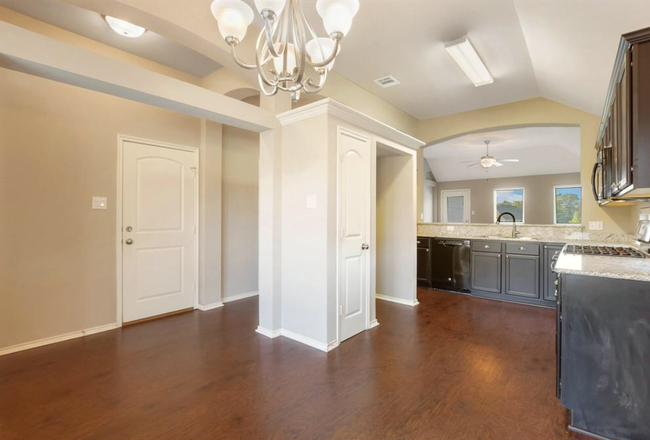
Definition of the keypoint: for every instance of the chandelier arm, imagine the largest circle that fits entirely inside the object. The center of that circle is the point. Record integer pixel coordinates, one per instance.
(259, 55)
(268, 31)
(239, 62)
(300, 44)
(274, 89)
(310, 87)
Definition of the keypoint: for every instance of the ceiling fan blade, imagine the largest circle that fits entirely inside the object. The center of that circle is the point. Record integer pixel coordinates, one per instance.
(473, 165)
(497, 164)
(509, 160)
(468, 161)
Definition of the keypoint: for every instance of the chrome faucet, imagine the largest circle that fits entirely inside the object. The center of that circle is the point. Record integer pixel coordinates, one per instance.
(515, 233)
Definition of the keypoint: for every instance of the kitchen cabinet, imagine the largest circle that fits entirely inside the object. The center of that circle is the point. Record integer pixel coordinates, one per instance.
(603, 353)
(486, 272)
(548, 276)
(622, 173)
(424, 261)
(522, 275)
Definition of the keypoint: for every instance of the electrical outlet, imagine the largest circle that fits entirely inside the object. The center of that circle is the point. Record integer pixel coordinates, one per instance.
(99, 203)
(595, 226)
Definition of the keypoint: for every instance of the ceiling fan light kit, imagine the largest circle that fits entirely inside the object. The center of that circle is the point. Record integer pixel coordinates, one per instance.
(287, 44)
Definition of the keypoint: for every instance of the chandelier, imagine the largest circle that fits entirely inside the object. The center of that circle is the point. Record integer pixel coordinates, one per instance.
(287, 44)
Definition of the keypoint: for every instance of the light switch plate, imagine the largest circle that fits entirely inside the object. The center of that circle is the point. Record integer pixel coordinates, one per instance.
(99, 203)
(312, 202)
(595, 226)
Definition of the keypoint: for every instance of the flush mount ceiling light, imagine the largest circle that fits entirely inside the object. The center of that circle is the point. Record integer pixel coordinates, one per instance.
(465, 55)
(124, 28)
(287, 43)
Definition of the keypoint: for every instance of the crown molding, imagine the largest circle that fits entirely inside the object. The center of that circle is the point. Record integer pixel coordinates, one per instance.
(331, 107)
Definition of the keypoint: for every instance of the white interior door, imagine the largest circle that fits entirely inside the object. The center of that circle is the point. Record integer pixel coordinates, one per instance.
(158, 230)
(455, 206)
(354, 221)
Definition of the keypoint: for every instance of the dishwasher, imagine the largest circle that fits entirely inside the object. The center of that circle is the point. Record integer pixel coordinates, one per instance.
(450, 264)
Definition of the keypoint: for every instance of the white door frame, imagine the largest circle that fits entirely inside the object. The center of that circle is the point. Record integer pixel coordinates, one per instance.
(443, 204)
(340, 131)
(121, 139)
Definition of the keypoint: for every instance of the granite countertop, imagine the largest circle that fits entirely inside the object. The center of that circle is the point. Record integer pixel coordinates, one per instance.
(492, 238)
(605, 267)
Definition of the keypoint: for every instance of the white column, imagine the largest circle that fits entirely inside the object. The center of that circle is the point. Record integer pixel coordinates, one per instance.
(270, 220)
(210, 166)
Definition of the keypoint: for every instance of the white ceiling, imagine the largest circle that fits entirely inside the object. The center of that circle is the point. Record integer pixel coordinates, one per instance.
(540, 150)
(562, 50)
(89, 24)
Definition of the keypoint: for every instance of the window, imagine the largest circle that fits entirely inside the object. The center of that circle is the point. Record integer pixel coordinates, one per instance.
(509, 200)
(567, 205)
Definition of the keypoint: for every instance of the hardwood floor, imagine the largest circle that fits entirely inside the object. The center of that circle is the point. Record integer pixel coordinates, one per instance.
(452, 368)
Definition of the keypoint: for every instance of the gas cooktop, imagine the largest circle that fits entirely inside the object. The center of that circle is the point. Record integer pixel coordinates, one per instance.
(609, 251)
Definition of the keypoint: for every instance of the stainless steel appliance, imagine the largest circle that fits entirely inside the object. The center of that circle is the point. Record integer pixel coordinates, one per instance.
(608, 251)
(450, 264)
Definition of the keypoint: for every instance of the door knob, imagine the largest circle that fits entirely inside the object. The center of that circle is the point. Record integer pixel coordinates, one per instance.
(365, 246)
(129, 241)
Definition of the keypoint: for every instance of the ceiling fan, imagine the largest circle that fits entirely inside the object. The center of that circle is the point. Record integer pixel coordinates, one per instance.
(488, 161)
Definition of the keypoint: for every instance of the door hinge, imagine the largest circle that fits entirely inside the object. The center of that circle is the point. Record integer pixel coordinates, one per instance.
(342, 233)
(195, 171)
(194, 229)
(193, 287)
(340, 310)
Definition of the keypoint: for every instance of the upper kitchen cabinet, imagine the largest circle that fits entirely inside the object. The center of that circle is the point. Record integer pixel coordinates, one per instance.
(623, 169)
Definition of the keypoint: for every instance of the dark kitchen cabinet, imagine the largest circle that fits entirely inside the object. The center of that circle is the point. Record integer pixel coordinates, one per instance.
(486, 271)
(622, 172)
(604, 351)
(522, 275)
(424, 261)
(548, 276)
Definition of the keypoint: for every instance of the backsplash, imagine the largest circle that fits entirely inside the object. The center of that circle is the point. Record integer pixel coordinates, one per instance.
(549, 233)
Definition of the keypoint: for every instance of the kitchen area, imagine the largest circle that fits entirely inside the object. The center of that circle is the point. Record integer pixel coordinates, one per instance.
(512, 230)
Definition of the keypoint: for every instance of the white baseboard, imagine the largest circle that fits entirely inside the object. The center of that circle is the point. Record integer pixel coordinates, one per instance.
(55, 339)
(298, 338)
(227, 299)
(308, 341)
(406, 302)
(206, 307)
(374, 323)
(268, 333)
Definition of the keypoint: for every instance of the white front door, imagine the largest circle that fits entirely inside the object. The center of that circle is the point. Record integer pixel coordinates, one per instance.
(455, 206)
(158, 230)
(354, 221)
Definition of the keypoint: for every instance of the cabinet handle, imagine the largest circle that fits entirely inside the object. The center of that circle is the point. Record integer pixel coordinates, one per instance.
(521, 248)
(427, 250)
(487, 246)
(418, 242)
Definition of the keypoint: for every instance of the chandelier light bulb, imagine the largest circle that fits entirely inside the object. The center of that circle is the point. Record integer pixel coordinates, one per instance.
(278, 62)
(320, 49)
(337, 15)
(233, 17)
(275, 6)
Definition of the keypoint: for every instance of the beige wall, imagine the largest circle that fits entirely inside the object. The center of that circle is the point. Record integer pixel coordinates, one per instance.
(241, 151)
(394, 226)
(538, 195)
(58, 148)
(538, 111)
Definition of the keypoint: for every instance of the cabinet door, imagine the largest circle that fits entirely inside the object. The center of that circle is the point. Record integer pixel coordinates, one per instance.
(424, 265)
(522, 276)
(486, 272)
(623, 155)
(548, 289)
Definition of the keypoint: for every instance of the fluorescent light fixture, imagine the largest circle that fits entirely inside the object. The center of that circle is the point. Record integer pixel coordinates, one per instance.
(465, 55)
(124, 28)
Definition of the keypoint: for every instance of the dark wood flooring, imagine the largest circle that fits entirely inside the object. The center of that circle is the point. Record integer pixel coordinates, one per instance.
(453, 368)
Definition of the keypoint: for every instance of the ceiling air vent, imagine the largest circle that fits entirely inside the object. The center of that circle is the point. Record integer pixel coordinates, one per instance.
(387, 81)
